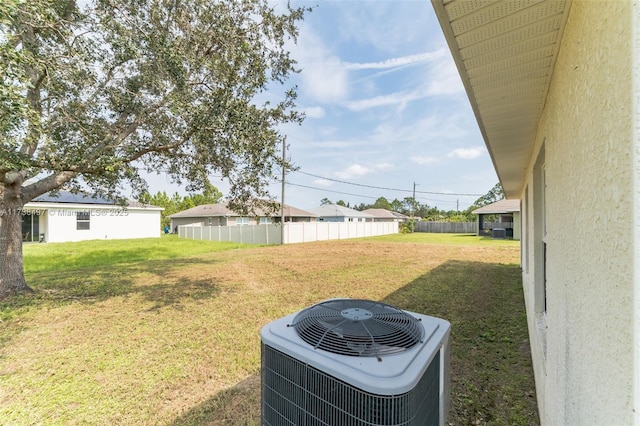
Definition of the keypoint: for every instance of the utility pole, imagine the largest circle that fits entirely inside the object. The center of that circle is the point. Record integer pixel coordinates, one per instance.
(284, 154)
(413, 200)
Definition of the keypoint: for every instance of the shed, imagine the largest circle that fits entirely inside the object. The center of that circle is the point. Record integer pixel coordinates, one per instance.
(507, 213)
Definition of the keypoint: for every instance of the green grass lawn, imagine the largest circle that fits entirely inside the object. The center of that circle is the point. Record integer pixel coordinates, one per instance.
(89, 254)
(166, 331)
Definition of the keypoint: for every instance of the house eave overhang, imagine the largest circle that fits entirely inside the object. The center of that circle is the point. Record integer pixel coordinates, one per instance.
(505, 52)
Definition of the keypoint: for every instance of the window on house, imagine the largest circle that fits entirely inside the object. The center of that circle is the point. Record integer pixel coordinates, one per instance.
(265, 221)
(83, 221)
(540, 233)
(524, 214)
(543, 209)
(242, 221)
(209, 221)
(30, 225)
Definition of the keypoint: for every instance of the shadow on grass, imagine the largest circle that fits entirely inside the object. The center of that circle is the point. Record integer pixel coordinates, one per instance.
(481, 237)
(151, 279)
(95, 284)
(239, 405)
(491, 372)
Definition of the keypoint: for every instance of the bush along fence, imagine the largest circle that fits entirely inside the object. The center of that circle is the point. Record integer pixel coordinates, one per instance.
(297, 232)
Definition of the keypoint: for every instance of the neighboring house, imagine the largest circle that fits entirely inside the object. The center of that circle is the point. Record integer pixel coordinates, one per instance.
(555, 87)
(221, 215)
(507, 213)
(383, 215)
(337, 213)
(76, 217)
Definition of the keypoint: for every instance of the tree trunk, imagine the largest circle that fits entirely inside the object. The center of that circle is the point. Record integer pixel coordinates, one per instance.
(12, 279)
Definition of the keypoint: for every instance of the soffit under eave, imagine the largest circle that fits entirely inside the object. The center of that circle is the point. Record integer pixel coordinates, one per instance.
(505, 53)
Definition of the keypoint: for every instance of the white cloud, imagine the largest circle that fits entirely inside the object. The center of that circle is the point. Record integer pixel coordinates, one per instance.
(323, 182)
(468, 153)
(397, 62)
(324, 79)
(369, 24)
(355, 170)
(398, 98)
(325, 82)
(383, 166)
(445, 79)
(314, 112)
(423, 160)
(441, 79)
(358, 170)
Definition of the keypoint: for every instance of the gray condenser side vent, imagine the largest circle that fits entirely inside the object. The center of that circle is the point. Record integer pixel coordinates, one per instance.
(498, 233)
(295, 393)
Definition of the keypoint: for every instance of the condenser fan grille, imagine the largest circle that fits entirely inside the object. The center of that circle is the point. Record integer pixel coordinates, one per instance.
(358, 328)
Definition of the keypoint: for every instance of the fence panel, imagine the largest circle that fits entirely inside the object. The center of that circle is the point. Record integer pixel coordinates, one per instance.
(296, 232)
(446, 227)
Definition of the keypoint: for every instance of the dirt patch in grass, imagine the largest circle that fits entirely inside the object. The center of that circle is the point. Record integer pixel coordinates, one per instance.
(177, 342)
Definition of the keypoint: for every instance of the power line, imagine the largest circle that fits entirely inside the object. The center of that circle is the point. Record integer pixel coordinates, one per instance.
(332, 191)
(386, 189)
(361, 185)
(438, 202)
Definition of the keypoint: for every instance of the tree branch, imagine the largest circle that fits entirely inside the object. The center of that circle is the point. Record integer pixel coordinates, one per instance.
(160, 148)
(51, 182)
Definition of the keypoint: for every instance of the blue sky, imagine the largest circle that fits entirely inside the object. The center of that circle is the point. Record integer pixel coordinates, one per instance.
(385, 108)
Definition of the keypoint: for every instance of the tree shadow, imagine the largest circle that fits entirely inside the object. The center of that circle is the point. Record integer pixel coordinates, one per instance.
(491, 371)
(238, 405)
(96, 284)
(99, 283)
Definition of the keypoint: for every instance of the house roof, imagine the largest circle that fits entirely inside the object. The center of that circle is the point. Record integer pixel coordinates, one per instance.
(502, 206)
(222, 209)
(335, 210)
(70, 198)
(385, 214)
(65, 197)
(505, 53)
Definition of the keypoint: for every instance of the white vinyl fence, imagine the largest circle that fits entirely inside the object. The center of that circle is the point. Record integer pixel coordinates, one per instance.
(246, 234)
(294, 232)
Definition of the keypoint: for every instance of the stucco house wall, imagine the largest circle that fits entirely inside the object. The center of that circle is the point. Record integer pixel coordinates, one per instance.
(338, 213)
(199, 221)
(577, 198)
(58, 222)
(215, 221)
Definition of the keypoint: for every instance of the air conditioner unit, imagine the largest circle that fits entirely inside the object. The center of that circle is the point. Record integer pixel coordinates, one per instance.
(352, 362)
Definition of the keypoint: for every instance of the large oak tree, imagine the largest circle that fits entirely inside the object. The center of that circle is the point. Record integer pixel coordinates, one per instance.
(92, 97)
